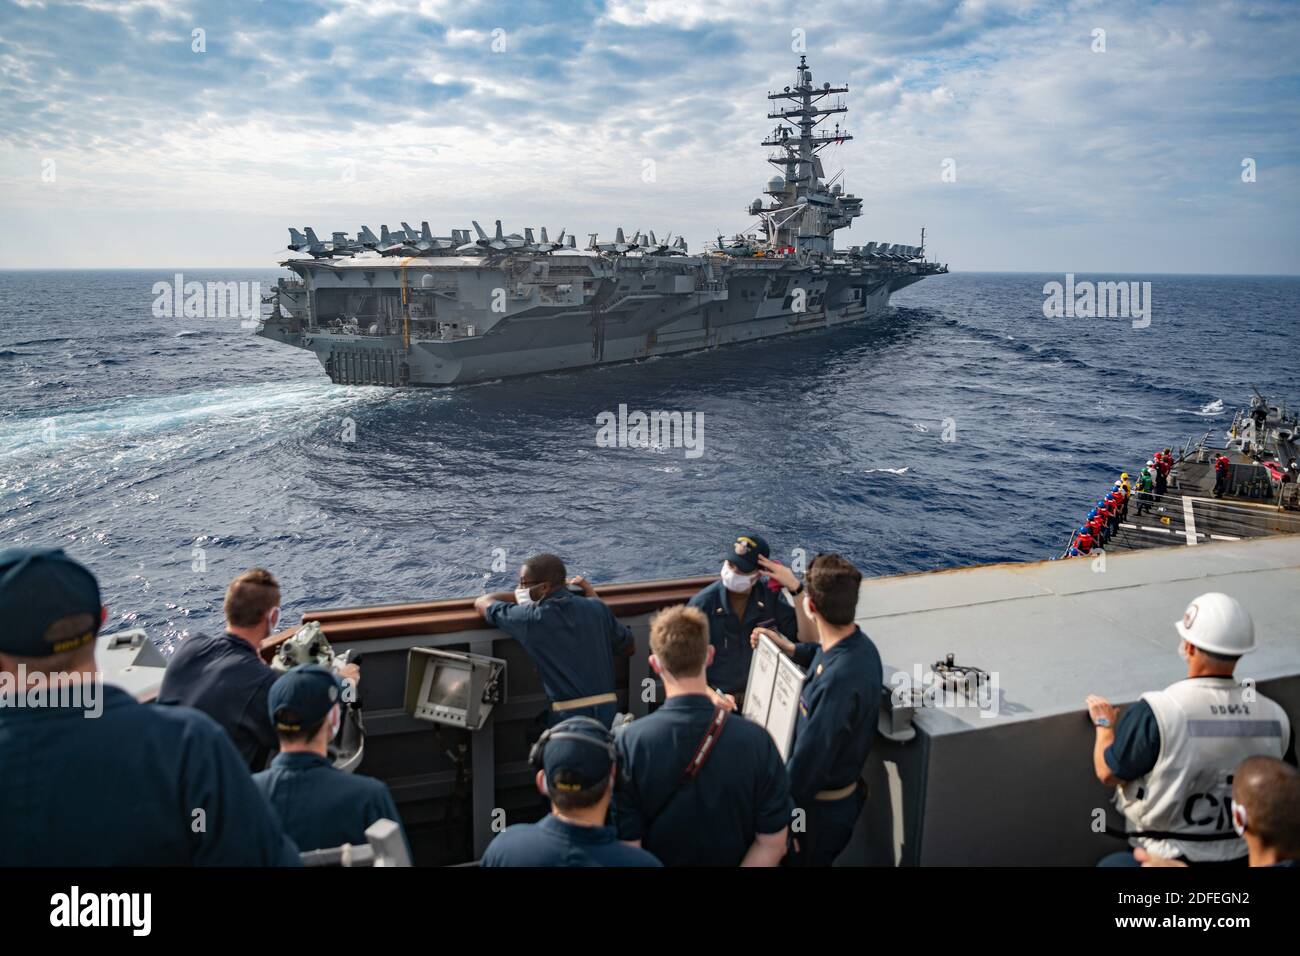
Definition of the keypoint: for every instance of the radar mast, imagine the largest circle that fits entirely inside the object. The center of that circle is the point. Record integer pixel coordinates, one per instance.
(805, 210)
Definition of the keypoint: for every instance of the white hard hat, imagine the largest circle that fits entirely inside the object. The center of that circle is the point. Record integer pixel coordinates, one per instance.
(1150, 462)
(1219, 624)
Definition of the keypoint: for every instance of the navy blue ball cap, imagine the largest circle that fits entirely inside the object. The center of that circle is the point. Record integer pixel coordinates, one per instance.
(49, 604)
(301, 697)
(578, 755)
(745, 551)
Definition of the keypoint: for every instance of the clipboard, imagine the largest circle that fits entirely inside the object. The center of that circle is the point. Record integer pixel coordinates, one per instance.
(772, 694)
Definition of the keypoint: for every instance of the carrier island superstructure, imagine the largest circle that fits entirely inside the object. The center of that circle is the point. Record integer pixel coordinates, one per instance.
(410, 308)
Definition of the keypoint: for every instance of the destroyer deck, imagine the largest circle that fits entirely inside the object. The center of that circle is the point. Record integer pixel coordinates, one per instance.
(1190, 514)
(1011, 788)
(1012, 783)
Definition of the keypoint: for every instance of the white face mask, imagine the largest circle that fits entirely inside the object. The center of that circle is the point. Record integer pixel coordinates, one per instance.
(523, 596)
(336, 721)
(734, 581)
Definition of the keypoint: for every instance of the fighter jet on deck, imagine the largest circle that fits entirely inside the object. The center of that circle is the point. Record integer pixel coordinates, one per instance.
(497, 243)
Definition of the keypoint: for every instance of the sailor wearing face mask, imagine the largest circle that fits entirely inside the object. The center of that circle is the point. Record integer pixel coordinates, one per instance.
(747, 595)
(571, 638)
(318, 805)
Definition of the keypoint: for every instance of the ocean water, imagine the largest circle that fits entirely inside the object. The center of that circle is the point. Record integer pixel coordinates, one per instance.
(961, 427)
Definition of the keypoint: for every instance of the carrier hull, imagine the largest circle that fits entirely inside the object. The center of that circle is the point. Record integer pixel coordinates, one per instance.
(558, 339)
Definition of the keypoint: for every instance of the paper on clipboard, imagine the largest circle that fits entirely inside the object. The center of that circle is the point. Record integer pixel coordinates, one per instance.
(762, 676)
(784, 709)
(772, 694)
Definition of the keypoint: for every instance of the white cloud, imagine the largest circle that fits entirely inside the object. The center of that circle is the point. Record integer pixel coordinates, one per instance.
(684, 14)
(1065, 158)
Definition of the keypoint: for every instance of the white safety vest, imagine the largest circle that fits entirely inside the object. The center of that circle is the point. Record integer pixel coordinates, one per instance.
(1206, 730)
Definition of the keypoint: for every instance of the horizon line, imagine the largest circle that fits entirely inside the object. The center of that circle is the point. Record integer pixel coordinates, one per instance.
(1026, 272)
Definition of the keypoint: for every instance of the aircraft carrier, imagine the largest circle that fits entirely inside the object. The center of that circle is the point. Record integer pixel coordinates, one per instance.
(406, 308)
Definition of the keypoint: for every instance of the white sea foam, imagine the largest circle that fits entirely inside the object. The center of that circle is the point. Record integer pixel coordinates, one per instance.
(97, 428)
(1209, 410)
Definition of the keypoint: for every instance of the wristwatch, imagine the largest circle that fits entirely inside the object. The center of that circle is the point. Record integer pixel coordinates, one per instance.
(1101, 722)
(797, 591)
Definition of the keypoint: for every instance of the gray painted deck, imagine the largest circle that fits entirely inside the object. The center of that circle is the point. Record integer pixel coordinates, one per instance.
(1017, 787)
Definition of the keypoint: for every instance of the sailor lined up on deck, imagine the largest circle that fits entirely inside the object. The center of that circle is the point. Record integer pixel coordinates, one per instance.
(571, 638)
(1114, 505)
(1096, 525)
(747, 596)
(1104, 512)
(1162, 462)
(1103, 521)
(1221, 465)
(1146, 482)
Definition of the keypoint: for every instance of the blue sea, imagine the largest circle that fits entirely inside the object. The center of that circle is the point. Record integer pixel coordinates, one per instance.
(961, 427)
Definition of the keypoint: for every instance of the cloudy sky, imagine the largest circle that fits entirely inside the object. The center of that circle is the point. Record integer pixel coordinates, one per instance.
(123, 146)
